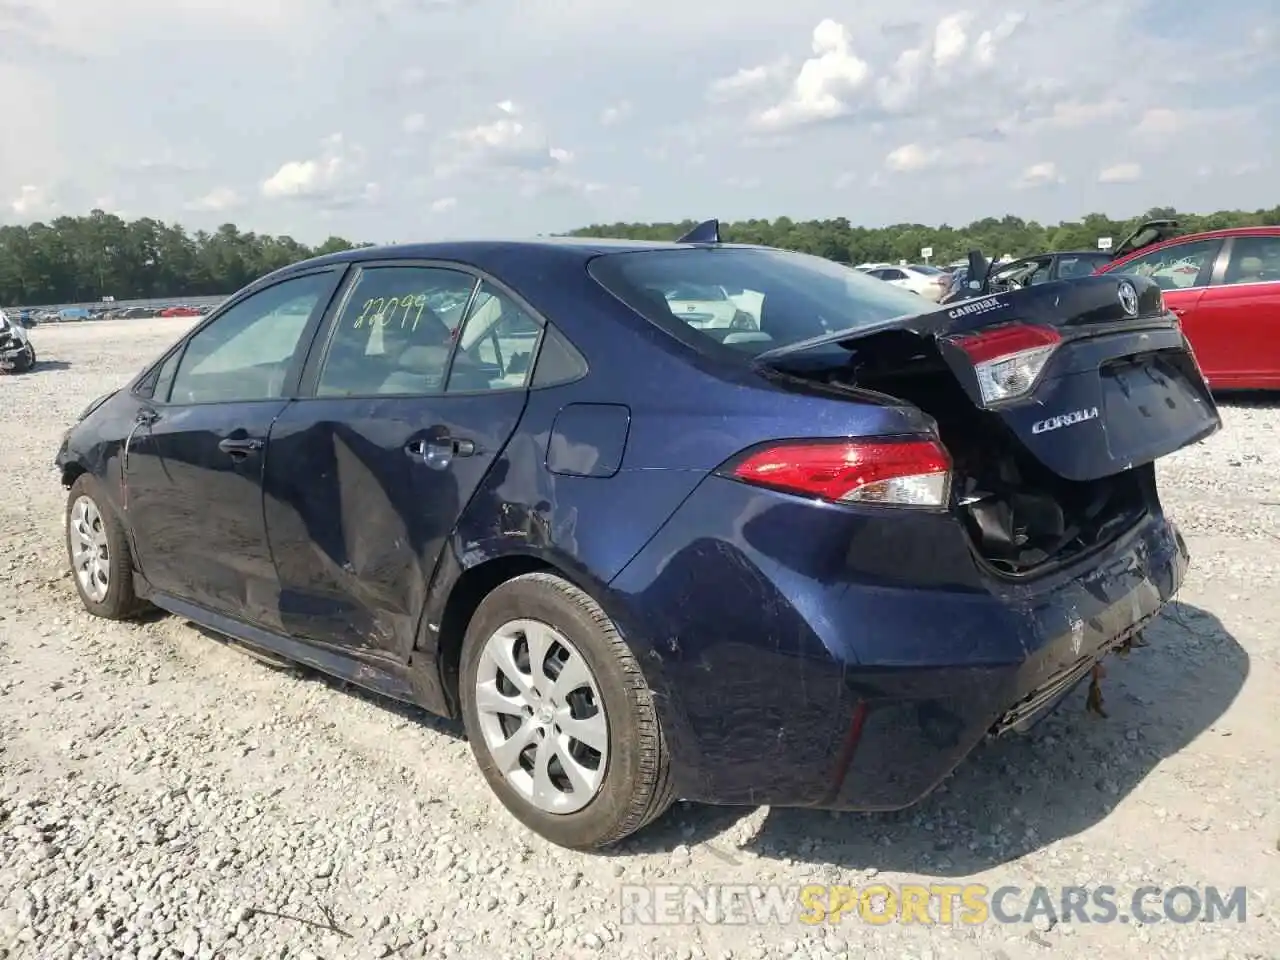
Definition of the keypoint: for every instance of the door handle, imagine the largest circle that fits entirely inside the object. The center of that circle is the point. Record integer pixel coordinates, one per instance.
(439, 451)
(240, 447)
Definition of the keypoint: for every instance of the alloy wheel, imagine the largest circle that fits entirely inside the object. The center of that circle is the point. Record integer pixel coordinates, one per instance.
(542, 716)
(90, 552)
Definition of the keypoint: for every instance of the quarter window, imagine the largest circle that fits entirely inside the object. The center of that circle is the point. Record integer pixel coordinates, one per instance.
(245, 353)
(395, 332)
(497, 345)
(1254, 260)
(1175, 267)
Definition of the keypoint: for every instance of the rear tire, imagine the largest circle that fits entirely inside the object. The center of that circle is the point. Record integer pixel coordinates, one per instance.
(25, 364)
(98, 550)
(591, 687)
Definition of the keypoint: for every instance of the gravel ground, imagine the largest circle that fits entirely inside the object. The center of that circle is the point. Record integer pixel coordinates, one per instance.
(163, 795)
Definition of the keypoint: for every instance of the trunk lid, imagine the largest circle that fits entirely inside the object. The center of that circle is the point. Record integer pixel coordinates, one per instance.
(1119, 388)
(1152, 231)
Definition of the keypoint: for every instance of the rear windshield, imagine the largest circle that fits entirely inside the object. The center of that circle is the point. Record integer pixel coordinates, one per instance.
(780, 297)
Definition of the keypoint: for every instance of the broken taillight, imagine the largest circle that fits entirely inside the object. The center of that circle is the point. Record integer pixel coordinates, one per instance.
(908, 472)
(1008, 360)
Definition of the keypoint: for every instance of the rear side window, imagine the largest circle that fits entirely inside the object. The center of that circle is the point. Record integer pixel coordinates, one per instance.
(780, 297)
(497, 345)
(1254, 260)
(1078, 265)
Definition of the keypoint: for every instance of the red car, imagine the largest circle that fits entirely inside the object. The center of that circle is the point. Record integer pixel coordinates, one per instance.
(179, 312)
(1225, 285)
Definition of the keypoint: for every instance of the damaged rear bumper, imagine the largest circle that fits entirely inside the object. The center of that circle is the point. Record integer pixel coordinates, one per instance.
(1069, 628)
(790, 668)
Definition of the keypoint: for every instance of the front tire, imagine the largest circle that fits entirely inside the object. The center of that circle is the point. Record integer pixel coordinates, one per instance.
(559, 716)
(98, 550)
(27, 362)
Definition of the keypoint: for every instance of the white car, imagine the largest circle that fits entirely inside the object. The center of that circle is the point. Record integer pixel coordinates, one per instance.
(704, 307)
(930, 282)
(16, 352)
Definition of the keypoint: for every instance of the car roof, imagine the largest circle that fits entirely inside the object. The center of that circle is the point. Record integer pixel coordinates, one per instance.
(1266, 231)
(481, 251)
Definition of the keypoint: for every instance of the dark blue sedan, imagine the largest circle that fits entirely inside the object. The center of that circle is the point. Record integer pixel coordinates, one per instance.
(810, 560)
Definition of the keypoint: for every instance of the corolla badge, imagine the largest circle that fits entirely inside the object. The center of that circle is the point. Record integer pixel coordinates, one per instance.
(1128, 298)
(1064, 420)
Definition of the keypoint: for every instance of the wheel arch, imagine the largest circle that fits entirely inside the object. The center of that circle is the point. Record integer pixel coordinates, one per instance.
(72, 471)
(470, 585)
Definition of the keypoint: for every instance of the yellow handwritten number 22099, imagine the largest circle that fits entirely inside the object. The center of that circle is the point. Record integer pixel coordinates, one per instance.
(381, 311)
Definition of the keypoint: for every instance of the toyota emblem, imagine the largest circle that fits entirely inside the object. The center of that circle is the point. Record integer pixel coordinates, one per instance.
(1128, 298)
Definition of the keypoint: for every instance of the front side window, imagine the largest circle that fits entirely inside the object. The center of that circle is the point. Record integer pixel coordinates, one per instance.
(395, 332)
(497, 345)
(1174, 267)
(1254, 260)
(245, 353)
(794, 295)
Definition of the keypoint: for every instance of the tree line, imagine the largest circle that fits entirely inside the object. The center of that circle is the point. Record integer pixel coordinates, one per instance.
(838, 239)
(82, 259)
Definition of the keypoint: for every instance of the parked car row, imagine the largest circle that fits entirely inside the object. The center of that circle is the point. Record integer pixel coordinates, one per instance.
(33, 317)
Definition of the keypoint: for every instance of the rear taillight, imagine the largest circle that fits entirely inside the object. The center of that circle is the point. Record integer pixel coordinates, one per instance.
(1008, 360)
(908, 473)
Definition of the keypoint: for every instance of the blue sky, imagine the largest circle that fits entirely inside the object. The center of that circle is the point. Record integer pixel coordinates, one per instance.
(393, 120)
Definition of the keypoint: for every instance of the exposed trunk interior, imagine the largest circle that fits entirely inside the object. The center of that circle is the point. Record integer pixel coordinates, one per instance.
(1021, 517)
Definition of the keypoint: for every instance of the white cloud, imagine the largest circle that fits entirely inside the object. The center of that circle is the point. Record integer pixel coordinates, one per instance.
(218, 200)
(915, 157)
(984, 48)
(748, 81)
(950, 41)
(414, 123)
(1042, 174)
(1073, 114)
(331, 179)
(1121, 173)
(947, 56)
(825, 85)
(32, 201)
(615, 114)
(509, 142)
(443, 204)
(1160, 122)
(909, 158)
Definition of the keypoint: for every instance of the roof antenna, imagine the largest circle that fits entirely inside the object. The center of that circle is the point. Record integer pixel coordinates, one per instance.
(708, 231)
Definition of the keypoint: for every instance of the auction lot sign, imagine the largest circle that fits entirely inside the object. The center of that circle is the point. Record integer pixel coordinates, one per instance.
(927, 904)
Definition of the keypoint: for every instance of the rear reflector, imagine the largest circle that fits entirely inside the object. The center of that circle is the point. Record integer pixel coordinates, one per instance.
(909, 473)
(1008, 360)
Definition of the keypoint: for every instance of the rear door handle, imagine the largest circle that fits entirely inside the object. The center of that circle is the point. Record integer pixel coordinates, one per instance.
(240, 447)
(439, 451)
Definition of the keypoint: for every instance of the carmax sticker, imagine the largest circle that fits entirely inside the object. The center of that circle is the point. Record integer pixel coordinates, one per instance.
(985, 305)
